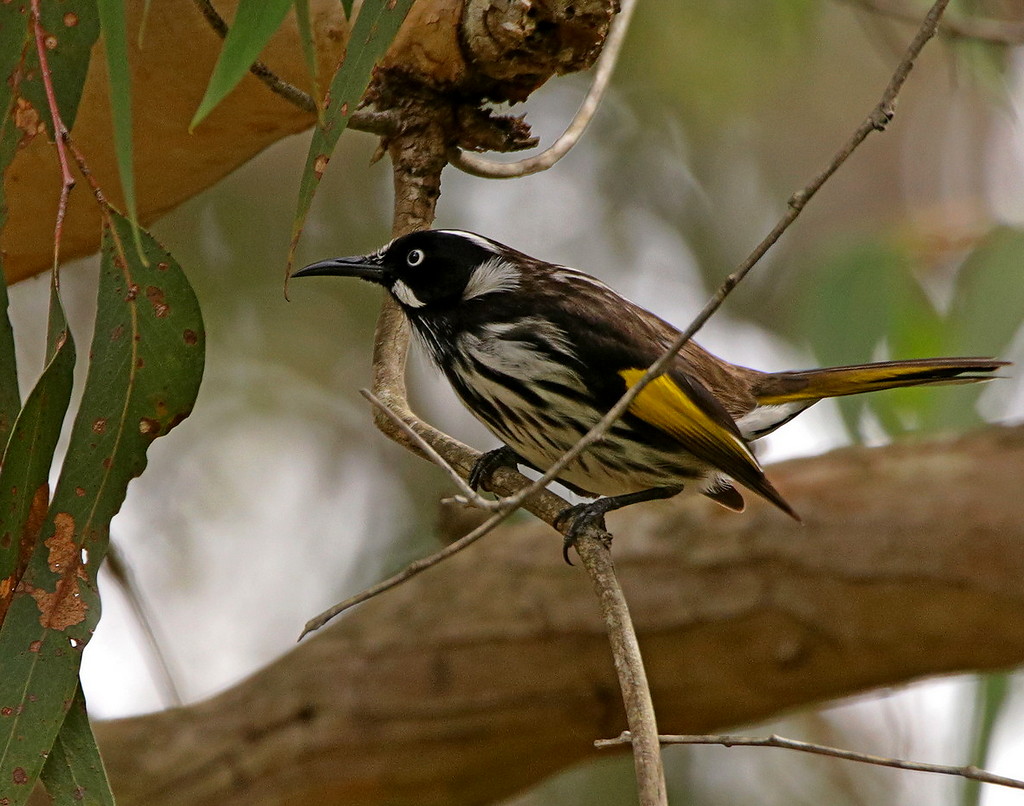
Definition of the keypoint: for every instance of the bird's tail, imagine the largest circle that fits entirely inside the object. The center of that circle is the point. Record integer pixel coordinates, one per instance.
(778, 388)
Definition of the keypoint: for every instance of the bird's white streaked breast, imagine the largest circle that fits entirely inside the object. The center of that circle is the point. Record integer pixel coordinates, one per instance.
(497, 349)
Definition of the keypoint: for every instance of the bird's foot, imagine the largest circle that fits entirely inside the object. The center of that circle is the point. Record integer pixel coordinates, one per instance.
(480, 475)
(572, 521)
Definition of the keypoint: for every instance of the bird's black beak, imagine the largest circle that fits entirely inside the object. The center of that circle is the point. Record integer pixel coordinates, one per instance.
(367, 267)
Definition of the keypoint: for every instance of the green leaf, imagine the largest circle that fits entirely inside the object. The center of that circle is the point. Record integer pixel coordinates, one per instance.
(71, 28)
(347, 6)
(10, 397)
(309, 48)
(73, 773)
(255, 22)
(989, 305)
(866, 296)
(29, 452)
(376, 26)
(146, 364)
(13, 37)
(990, 697)
(115, 40)
(848, 310)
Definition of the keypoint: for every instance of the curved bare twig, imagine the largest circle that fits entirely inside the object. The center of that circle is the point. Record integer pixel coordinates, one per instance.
(998, 32)
(970, 772)
(488, 169)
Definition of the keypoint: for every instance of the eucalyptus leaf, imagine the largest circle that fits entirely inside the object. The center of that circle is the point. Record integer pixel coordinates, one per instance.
(70, 29)
(115, 41)
(375, 28)
(73, 773)
(255, 22)
(308, 47)
(29, 453)
(146, 364)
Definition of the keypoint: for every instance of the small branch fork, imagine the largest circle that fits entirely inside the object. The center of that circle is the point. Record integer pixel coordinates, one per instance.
(971, 772)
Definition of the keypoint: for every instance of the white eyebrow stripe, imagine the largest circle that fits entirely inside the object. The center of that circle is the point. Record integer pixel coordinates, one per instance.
(472, 237)
(490, 276)
(406, 295)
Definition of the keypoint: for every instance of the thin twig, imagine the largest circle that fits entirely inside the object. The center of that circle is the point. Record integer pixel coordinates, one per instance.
(291, 93)
(413, 569)
(469, 495)
(970, 771)
(364, 120)
(629, 666)
(160, 667)
(998, 32)
(488, 169)
(60, 137)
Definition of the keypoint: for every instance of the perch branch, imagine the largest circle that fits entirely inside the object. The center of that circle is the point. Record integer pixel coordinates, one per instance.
(629, 668)
(740, 621)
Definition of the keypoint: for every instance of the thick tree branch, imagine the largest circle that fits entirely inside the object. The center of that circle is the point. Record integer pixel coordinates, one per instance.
(491, 672)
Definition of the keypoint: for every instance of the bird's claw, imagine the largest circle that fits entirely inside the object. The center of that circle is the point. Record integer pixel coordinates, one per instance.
(575, 520)
(485, 466)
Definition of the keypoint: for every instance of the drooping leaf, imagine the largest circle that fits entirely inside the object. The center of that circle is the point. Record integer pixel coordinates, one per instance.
(988, 308)
(73, 773)
(10, 397)
(308, 47)
(13, 37)
(29, 454)
(115, 41)
(375, 28)
(70, 28)
(146, 363)
(990, 698)
(849, 311)
(255, 22)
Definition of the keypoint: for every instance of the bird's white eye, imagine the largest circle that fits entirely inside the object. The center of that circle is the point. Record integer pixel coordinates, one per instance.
(415, 257)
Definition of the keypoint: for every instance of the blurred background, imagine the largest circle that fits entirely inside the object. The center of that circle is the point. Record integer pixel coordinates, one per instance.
(718, 112)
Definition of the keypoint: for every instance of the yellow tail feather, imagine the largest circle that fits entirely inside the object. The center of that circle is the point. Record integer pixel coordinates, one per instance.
(790, 387)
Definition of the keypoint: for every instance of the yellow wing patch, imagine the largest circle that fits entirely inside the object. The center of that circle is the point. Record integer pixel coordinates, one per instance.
(667, 406)
(664, 405)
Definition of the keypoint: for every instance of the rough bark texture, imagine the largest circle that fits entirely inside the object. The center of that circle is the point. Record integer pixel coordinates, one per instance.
(493, 671)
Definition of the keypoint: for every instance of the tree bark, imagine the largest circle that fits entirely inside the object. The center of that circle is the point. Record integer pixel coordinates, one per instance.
(491, 672)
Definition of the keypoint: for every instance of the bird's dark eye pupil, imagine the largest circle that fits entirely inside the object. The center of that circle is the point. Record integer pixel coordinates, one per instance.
(415, 257)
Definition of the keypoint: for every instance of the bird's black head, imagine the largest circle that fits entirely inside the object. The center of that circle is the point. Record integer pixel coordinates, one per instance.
(431, 269)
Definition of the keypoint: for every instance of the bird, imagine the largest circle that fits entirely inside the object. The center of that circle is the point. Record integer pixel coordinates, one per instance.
(539, 352)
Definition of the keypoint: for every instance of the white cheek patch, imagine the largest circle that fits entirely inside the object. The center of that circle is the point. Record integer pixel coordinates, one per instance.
(406, 295)
(491, 276)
